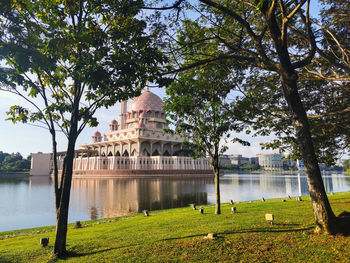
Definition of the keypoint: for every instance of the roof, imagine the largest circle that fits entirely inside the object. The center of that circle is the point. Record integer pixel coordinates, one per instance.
(97, 134)
(147, 101)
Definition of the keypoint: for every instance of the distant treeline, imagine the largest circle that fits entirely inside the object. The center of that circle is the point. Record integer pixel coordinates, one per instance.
(13, 162)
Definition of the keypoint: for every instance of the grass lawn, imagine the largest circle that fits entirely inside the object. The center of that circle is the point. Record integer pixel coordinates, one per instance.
(177, 235)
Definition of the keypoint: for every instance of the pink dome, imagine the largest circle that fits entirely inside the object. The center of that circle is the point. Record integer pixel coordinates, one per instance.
(114, 122)
(97, 134)
(147, 100)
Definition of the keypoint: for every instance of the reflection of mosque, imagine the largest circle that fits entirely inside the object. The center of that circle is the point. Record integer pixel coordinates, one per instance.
(117, 197)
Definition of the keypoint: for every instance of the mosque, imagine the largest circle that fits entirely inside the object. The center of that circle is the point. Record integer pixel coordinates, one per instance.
(137, 146)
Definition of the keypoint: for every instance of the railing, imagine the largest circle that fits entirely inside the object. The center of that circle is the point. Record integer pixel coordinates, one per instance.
(138, 163)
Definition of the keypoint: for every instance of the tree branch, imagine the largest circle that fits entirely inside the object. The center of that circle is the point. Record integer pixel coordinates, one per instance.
(297, 8)
(206, 61)
(311, 39)
(174, 6)
(256, 39)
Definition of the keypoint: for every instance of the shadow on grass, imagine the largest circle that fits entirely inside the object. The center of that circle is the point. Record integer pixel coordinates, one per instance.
(4, 260)
(258, 230)
(72, 254)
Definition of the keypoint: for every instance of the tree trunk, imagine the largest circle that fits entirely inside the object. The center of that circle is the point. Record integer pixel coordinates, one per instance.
(217, 191)
(325, 218)
(64, 190)
(216, 170)
(55, 169)
(62, 211)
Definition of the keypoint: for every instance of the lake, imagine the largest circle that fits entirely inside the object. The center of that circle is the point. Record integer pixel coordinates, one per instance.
(30, 202)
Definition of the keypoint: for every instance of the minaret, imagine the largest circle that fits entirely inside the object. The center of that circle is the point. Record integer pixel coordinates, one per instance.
(123, 114)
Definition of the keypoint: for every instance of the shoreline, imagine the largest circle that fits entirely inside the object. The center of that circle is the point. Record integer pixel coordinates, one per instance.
(14, 175)
(161, 211)
(282, 172)
(163, 174)
(127, 173)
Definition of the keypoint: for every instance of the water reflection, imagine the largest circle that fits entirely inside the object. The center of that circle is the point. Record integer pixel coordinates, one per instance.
(117, 197)
(30, 203)
(245, 187)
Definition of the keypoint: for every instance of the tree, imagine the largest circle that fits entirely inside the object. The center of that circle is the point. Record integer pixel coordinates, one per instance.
(333, 67)
(13, 162)
(2, 156)
(77, 56)
(268, 114)
(276, 38)
(346, 164)
(198, 106)
(324, 84)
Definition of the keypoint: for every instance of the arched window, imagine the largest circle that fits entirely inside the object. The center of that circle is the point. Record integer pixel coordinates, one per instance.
(117, 153)
(155, 153)
(149, 114)
(126, 153)
(156, 114)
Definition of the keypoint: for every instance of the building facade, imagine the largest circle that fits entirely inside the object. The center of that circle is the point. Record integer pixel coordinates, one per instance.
(270, 161)
(237, 160)
(234, 159)
(41, 164)
(137, 144)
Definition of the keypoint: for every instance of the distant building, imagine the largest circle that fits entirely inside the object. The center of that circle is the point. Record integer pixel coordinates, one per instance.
(225, 160)
(289, 163)
(253, 160)
(322, 166)
(235, 159)
(270, 161)
(41, 164)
